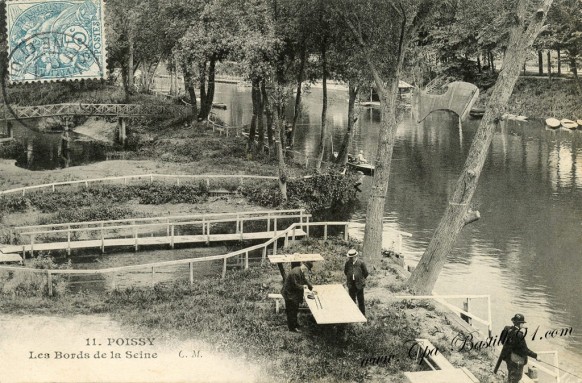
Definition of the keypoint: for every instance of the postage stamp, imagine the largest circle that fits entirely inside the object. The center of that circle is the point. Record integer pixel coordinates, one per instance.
(55, 40)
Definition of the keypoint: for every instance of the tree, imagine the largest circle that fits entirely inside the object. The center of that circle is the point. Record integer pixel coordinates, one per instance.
(397, 23)
(528, 19)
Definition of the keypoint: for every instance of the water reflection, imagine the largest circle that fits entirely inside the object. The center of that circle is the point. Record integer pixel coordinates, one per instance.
(525, 251)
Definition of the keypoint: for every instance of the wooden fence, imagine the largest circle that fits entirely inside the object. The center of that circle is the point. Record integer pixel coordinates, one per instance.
(287, 235)
(177, 178)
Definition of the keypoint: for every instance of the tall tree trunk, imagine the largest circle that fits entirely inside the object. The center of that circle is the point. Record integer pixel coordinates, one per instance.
(540, 63)
(256, 99)
(297, 110)
(549, 64)
(202, 81)
(206, 104)
(479, 63)
(323, 136)
(559, 61)
(458, 212)
(268, 113)
(189, 87)
(130, 57)
(342, 157)
(261, 96)
(280, 134)
(574, 69)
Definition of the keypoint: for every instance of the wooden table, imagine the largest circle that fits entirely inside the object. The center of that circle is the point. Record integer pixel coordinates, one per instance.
(457, 375)
(279, 260)
(333, 305)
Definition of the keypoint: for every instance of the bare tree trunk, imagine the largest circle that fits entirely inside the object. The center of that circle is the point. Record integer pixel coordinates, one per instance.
(255, 96)
(540, 63)
(297, 110)
(279, 133)
(559, 62)
(269, 114)
(202, 81)
(206, 105)
(130, 68)
(342, 157)
(323, 136)
(261, 124)
(549, 64)
(458, 212)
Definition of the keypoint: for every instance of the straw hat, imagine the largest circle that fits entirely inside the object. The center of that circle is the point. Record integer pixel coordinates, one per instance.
(352, 253)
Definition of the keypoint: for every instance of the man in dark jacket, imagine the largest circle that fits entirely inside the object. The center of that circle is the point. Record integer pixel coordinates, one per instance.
(292, 292)
(356, 274)
(515, 351)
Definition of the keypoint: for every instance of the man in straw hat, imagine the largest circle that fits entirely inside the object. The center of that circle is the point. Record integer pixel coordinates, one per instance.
(515, 350)
(292, 292)
(356, 274)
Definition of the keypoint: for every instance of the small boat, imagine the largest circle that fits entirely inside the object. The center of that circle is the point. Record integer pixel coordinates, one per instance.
(219, 106)
(367, 169)
(509, 116)
(477, 112)
(579, 122)
(553, 122)
(568, 124)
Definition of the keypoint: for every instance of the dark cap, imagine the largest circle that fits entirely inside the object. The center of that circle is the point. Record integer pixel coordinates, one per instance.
(518, 318)
(308, 264)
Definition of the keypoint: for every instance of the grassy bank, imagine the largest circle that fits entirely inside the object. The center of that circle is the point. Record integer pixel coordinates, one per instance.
(235, 316)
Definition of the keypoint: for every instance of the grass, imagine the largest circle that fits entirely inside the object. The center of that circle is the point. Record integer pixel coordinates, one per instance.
(235, 316)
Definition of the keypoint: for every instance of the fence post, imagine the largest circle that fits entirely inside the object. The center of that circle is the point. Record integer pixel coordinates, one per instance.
(172, 236)
(242, 230)
(49, 282)
(102, 239)
(325, 232)
(153, 275)
(293, 234)
(268, 221)
(275, 227)
(466, 308)
(224, 268)
(247, 260)
(237, 223)
(307, 226)
(68, 239)
(346, 236)
(191, 273)
(275, 247)
(286, 242)
(24, 251)
(53, 188)
(135, 236)
(208, 233)
(32, 245)
(264, 256)
(151, 178)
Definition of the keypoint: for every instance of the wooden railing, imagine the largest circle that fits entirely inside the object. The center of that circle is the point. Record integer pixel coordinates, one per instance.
(149, 177)
(205, 222)
(287, 234)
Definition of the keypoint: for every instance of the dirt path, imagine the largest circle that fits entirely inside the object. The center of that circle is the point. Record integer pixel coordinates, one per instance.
(62, 342)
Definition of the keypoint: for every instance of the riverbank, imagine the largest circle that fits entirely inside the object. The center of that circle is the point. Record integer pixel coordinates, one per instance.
(235, 316)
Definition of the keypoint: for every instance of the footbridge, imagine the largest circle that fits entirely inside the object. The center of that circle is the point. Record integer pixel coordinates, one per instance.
(161, 231)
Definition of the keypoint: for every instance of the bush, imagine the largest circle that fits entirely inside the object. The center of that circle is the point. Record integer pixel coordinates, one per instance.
(31, 284)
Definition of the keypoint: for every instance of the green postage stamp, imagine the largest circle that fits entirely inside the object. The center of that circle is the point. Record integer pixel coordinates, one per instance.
(55, 40)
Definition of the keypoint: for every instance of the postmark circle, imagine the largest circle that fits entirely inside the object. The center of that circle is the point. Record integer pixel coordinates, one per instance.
(72, 52)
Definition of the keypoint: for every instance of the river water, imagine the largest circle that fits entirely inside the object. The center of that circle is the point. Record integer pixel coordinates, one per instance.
(525, 251)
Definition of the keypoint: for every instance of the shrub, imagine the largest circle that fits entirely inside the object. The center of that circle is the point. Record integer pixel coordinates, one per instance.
(30, 284)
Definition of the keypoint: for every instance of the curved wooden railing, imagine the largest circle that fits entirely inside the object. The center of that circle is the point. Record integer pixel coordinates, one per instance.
(287, 234)
(150, 177)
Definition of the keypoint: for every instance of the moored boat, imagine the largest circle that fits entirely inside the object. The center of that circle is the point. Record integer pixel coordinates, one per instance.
(568, 124)
(579, 122)
(367, 169)
(553, 122)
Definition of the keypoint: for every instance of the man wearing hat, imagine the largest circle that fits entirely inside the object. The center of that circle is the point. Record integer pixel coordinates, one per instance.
(515, 351)
(292, 292)
(356, 274)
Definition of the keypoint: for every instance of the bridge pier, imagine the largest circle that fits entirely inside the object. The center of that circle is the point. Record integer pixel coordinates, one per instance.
(121, 130)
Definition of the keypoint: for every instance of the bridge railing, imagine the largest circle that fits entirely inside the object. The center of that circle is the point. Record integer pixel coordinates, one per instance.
(148, 177)
(286, 235)
(131, 230)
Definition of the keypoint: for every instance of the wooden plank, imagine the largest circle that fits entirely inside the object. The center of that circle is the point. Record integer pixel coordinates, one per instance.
(140, 241)
(288, 258)
(437, 360)
(456, 375)
(10, 258)
(332, 304)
